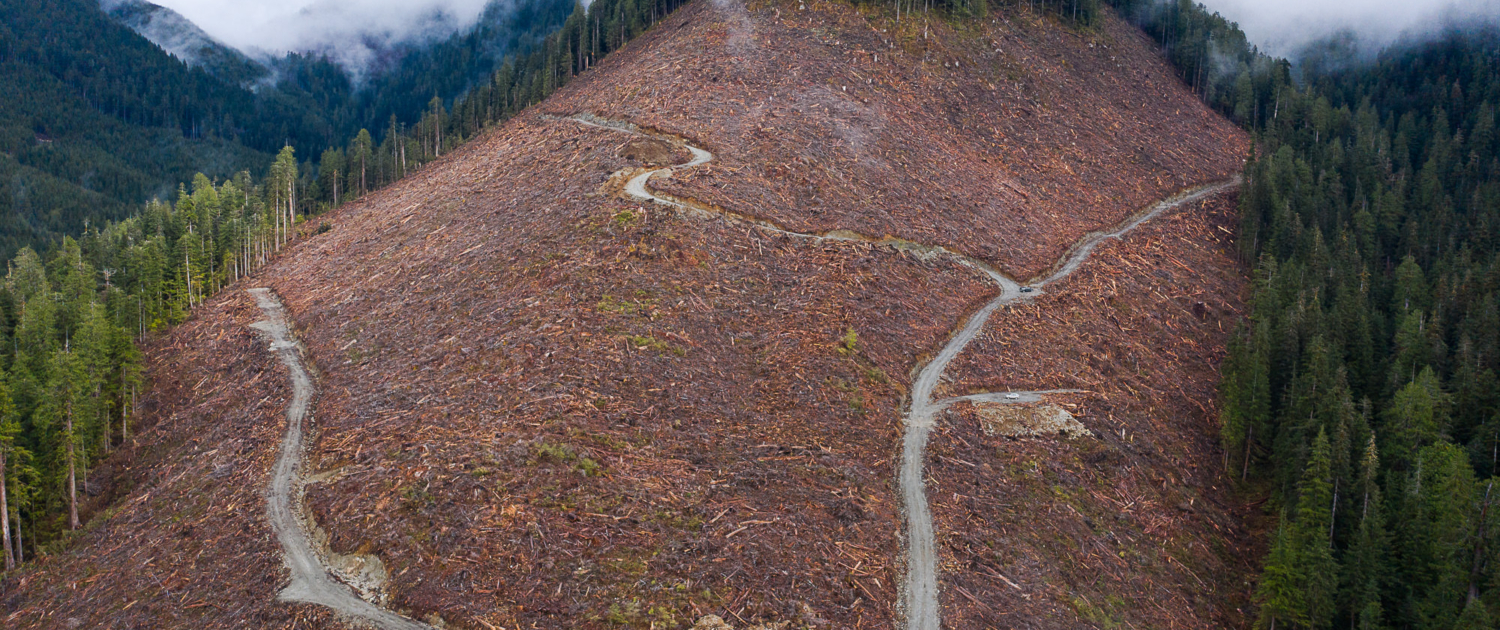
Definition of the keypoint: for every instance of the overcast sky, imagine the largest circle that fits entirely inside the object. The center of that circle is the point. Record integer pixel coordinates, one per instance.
(337, 26)
(1281, 27)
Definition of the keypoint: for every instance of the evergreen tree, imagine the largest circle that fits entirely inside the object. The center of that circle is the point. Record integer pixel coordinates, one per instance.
(1475, 616)
(1365, 563)
(59, 411)
(1280, 593)
(1417, 416)
(1313, 536)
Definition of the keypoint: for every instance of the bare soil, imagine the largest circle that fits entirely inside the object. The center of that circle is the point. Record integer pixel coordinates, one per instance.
(1005, 141)
(1134, 527)
(650, 151)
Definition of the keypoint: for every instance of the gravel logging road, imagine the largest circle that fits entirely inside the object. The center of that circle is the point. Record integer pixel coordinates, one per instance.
(311, 581)
(919, 600)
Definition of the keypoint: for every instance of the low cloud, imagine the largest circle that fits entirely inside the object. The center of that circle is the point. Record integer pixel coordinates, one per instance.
(1285, 27)
(351, 32)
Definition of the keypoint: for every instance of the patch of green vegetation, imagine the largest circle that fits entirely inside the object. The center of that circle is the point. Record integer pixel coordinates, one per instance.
(636, 615)
(857, 403)
(603, 439)
(877, 375)
(588, 467)
(662, 617)
(625, 218)
(639, 307)
(633, 567)
(546, 451)
(564, 454)
(852, 394)
(414, 499)
(1102, 618)
(678, 520)
(658, 345)
(849, 343)
(624, 614)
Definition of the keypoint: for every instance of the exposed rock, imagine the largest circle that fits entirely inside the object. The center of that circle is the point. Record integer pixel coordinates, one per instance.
(715, 622)
(1029, 421)
(711, 622)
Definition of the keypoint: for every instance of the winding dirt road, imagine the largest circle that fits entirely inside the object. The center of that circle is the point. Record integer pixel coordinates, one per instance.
(311, 581)
(919, 602)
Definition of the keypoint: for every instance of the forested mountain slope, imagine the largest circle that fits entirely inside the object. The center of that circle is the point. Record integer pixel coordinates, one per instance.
(544, 402)
(1362, 395)
(182, 39)
(96, 120)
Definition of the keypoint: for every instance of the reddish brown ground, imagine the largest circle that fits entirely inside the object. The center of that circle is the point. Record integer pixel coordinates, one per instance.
(1134, 527)
(1006, 140)
(179, 538)
(543, 406)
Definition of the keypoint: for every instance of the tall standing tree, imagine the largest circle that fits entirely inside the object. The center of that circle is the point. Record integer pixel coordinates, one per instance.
(359, 151)
(1313, 535)
(1280, 593)
(66, 379)
(330, 167)
(1365, 563)
(9, 428)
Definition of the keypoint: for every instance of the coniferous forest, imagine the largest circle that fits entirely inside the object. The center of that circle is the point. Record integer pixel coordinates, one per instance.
(1363, 391)
(95, 120)
(1361, 395)
(70, 316)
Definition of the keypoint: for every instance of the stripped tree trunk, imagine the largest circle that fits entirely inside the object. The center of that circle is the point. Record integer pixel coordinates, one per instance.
(10, 558)
(72, 474)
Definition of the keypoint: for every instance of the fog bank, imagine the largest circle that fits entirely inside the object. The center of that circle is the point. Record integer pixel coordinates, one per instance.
(1283, 27)
(352, 32)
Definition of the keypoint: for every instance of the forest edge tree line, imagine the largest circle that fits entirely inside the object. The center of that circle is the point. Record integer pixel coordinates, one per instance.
(73, 371)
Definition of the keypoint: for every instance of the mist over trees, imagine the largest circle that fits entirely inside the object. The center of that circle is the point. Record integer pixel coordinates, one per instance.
(95, 120)
(361, 165)
(69, 319)
(1361, 395)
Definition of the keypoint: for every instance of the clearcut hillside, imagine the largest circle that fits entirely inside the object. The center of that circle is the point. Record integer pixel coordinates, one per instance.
(543, 402)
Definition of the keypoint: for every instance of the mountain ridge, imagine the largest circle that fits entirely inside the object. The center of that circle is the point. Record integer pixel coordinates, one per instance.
(182, 39)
